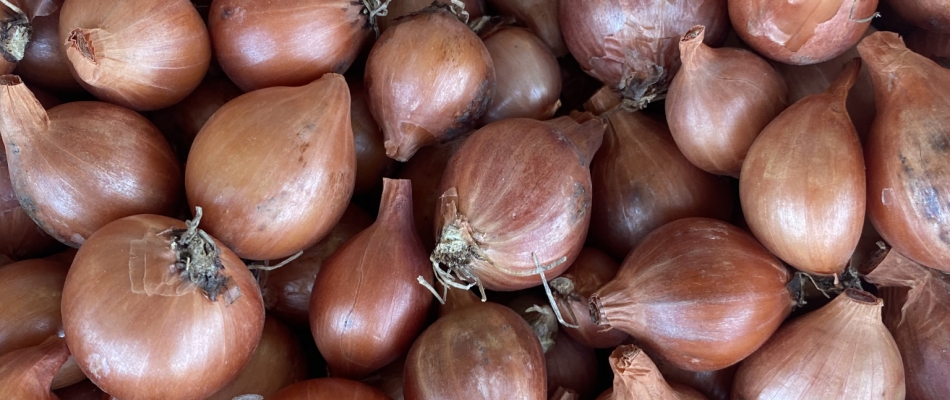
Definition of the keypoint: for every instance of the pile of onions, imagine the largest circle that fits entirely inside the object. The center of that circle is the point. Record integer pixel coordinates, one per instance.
(20, 237)
(636, 377)
(801, 32)
(590, 271)
(329, 388)
(274, 169)
(933, 15)
(31, 292)
(699, 293)
(84, 164)
(515, 207)
(840, 351)
(631, 45)
(44, 60)
(286, 42)
(541, 16)
(528, 76)
(27, 373)
(908, 168)
(171, 302)
(719, 101)
(144, 55)
(429, 79)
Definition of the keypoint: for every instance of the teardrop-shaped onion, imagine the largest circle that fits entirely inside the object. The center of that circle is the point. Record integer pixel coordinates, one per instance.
(541, 16)
(528, 76)
(908, 151)
(274, 169)
(932, 15)
(27, 373)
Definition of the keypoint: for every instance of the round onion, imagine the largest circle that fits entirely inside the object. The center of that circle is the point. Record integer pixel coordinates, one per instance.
(27, 373)
(173, 315)
(329, 388)
(401, 8)
(44, 61)
(591, 270)
(84, 164)
(528, 76)
(801, 32)
(274, 169)
(541, 16)
(20, 237)
(372, 164)
(933, 15)
(425, 185)
(144, 55)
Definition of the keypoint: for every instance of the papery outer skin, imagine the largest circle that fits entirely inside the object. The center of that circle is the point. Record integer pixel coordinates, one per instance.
(847, 354)
(329, 388)
(718, 103)
(636, 377)
(274, 169)
(541, 16)
(149, 54)
(806, 203)
(801, 32)
(367, 305)
(522, 187)
(932, 15)
(908, 151)
(285, 42)
(27, 373)
(528, 78)
(180, 337)
(699, 293)
(31, 292)
(425, 87)
(631, 45)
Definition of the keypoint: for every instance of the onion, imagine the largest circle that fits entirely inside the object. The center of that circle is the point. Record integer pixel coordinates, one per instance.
(144, 55)
(701, 294)
(514, 207)
(287, 289)
(367, 305)
(916, 307)
(719, 102)
(636, 377)
(801, 32)
(27, 373)
(847, 354)
(485, 351)
(265, 159)
(908, 168)
(286, 42)
(31, 292)
(44, 60)
(541, 16)
(400, 8)
(20, 237)
(528, 76)
(932, 15)
(934, 45)
(429, 79)
(642, 181)
(571, 365)
(716, 385)
(167, 321)
(631, 45)
(84, 164)
(424, 171)
(806, 203)
(277, 362)
(539, 315)
(371, 161)
(329, 388)
(591, 270)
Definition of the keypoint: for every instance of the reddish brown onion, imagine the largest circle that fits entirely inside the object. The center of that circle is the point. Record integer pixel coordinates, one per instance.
(31, 292)
(541, 16)
(719, 101)
(701, 294)
(932, 15)
(329, 388)
(44, 61)
(20, 237)
(528, 76)
(590, 271)
(27, 373)
(935, 45)
(423, 170)
(908, 168)
(571, 365)
(401, 8)
(372, 164)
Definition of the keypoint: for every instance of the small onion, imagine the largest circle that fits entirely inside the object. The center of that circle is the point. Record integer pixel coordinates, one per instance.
(528, 76)
(701, 294)
(429, 79)
(401, 8)
(144, 55)
(372, 164)
(84, 164)
(934, 45)
(801, 32)
(27, 373)
(590, 271)
(719, 101)
(20, 237)
(908, 167)
(423, 171)
(541, 16)
(571, 365)
(329, 388)
(44, 61)
(274, 169)
(932, 15)
(636, 377)
(840, 351)
(31, 292)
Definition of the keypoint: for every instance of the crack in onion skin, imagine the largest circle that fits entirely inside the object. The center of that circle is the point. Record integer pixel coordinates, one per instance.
(700, 293)
(840, 351)
(801, 32)
(908, 151)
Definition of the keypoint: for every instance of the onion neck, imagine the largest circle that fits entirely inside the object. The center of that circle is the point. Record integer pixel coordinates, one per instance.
(21, 115)
(636, 376)
(845, 81)
(693, 52)
(395, 207)
(198, 259)
(856, 304)
(584, 131)
(84, 52)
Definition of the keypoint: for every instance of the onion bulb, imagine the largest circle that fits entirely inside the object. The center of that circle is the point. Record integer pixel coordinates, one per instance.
(636, 377)
(27, 373)
(144, 55)
(329, 388)
(933, 15)
(908, 151)
(528, 76)
(801, 32)
(31, 292)
(274, 169)
(541, 16)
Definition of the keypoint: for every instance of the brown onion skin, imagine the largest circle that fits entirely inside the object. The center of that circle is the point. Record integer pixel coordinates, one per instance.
(144, 55)
(528, 78)
(398, 9)
(540, 16)
(372, 164)
(571, 365)
(636, 377)
(932, 15)
(31, 292)
(804, 32)
(607, 39)
(591, 270)
(424, 171)
(27, 373)
(190, 346)
(850, 355)
(264, 159)
(450, 76)
(642, 181)
(285, 42)
(389, 379)
(367, 305)
(329, 388)
(118, 163)
(719, 101)
(908, 168)
(181, 122)
(44, 61)
(20, 237)
(485, 351)
(511, 197)
(806, 204)
(934, 45)
(700, 293)
(287, 289)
